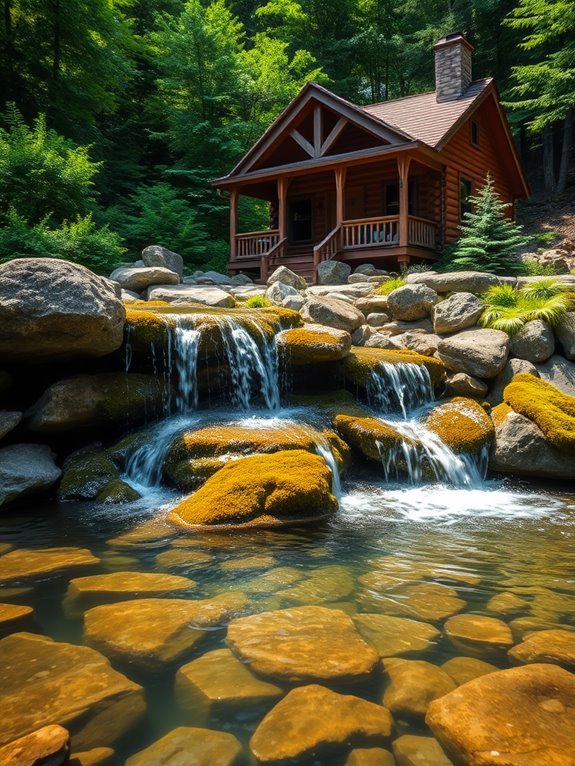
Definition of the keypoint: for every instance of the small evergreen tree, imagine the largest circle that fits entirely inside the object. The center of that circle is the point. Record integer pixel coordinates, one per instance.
(489, 240)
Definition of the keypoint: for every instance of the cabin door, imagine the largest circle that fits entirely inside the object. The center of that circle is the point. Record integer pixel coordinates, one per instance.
(300, 220)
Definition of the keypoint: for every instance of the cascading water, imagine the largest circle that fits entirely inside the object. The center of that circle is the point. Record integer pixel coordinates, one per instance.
(404, 386)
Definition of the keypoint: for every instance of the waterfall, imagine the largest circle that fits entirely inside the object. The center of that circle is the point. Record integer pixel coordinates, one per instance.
(405, 386)
(323, 449)
(186, 343)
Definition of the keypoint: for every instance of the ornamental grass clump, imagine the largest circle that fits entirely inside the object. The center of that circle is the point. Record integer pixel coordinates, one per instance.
(257, 302)
(392, 284)
(509, 309)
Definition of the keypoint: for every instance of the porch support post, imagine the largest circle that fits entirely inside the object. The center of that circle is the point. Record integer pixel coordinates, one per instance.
(283, 184)
(234, 194)
(403, 168)
(340, 174)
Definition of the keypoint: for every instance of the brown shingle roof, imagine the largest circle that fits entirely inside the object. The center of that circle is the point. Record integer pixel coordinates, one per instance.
(423, 117)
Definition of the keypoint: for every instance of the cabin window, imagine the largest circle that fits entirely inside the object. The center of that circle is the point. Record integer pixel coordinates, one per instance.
(300, 220)
(391, 198)
(465, 194)
(474, 128)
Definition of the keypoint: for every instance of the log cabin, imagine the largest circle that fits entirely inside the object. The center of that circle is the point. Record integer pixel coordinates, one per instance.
(385, 183)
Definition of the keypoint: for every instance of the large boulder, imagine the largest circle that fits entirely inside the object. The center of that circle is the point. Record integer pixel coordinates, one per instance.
(480, 353)
(458, 312)
(9, 419)
(565, 331)
(278, 292)
(313, 343)
(156, 255)
(138, 278)
(213, 278)
(333, 313)
(287, 277)
(512, 367)
(534, 342)
(333, 273)
(519, 717)
(462, 424)
(53, 309)
(411, 302)
(475, 282)
(410, 686)
(26, 469)
(114, 398)
(192, 294)
(559, 372)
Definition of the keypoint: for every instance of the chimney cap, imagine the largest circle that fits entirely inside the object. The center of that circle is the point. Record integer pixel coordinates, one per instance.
(455, 38)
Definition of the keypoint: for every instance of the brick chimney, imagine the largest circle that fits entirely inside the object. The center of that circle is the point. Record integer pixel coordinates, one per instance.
(452, 66)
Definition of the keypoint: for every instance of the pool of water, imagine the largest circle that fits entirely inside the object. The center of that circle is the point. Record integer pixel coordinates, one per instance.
(499, 538)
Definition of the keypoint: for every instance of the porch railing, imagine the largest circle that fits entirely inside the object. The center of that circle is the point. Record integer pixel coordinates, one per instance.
(371, 232)
(329, 247)
(256, 243)
(422, 232)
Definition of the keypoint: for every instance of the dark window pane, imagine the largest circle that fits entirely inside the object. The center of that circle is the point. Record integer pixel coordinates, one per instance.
(465, 193)
(300, 220)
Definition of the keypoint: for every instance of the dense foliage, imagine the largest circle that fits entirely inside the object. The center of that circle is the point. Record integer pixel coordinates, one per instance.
(145, 101)
(508, 309)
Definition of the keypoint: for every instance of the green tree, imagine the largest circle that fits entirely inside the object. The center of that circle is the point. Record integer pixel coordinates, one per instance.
(489, 240)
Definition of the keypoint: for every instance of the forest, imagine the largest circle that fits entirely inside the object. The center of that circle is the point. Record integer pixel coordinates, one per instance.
(115, 114)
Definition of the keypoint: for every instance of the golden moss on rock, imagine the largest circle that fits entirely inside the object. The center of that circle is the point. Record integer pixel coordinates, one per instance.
(313, 344)
(285, 487)
(462, 424)
(361, 362)
(552, 411)
(367, 434)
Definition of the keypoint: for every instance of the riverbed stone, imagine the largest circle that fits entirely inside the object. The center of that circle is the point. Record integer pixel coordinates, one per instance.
(156, 255)
(458, 312)
(333, 273)
(517, 717)
(313, 720)
(302, 644)
(461, 384)
(565, 331)
(26, 469)
(248, 563)
(183, 557)
(48, 746)
(14, 617)
(312, 344)
(104, 399)
(323, 585)
(559, 372)
(475, 282)
(153, 633)
(370, 756)
(332, 312)
(275, 580)
(287, 277)
(25, 564)
(410, 750)
(192, 747)
(478, 635)
(215, 297)
(480, 353)
(85, 474)
(512, 367)
(428, 602)
(464, 669)
(396, 636)
(139, 278)
(96, 756)
(410, 686)
(554, 646)
(411, 302)
(9, 419)
(507, 603)
(47, 682)
(534, 341)
(54, 309)
(218, 683)
(85, 592)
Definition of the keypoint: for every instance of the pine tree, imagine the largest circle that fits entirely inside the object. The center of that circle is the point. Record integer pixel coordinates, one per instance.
(489, 239)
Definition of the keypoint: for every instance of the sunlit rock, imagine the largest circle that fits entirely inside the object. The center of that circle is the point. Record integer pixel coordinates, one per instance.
(29, 564)
(49, 745)
(370, 756)
(479, 353)
(464, 669)
(410, 686)
(312, 344)
(361, 362)
(321, 585)
(411, 750)
(507, 603)
(462, 424)
(97, 756)
(554, 646)
(429, 602)
(477, 635)
(15, 617)
(275, 580)
(396, 636)
(202, 747)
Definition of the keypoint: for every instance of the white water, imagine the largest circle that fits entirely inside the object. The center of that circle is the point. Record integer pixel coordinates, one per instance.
(186, 342)
(403, 386)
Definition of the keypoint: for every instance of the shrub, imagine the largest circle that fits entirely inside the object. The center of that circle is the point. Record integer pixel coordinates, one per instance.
(533, 268)
(257, 302)
(509, 309)
(392, 284)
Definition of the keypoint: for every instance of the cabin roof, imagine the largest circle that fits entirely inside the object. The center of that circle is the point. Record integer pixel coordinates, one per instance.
(424, 118)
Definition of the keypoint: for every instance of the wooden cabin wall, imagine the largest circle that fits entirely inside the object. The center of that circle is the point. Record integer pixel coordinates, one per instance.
(462, 158)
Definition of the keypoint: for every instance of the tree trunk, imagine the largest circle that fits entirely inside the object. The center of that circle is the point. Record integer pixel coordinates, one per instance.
(548, 160)
(565, 151)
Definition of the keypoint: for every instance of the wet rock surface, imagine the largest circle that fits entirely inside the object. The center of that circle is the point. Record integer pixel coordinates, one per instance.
(49, 745)
(202, 747)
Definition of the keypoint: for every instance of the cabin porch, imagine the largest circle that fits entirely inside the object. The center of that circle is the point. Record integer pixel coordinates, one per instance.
(387, 213)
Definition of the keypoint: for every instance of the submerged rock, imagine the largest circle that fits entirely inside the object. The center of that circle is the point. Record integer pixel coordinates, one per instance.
(263, 490)
(464, 669)
(312, 344)
(202, 747)
(396, 636)
(45, 682)
(429, 602)
(54, 309)
(517, 717)
(29, 564)
(48, 746)
(14, 617)
(370, 756)
(411, 750)
(477, 635)
(311, 720)
(26, 469)
(324, 584)
(554, 646)
(411, 685)
(462, 424)
(302, 644)
(96, 756)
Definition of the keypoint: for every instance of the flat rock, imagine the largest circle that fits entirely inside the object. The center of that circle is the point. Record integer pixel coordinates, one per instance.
(248, 563)
(139, 278)
(25, 564)
(97, 756)
(26, 469)
(458, 312)
(519, 717)
(153, 633)
(410, 750)
(411, 685)
(554, 646)
(313, 719)
(559, 372)
(187, 746)
(370, 756)
(395, 636)
(8, 421)
(276, 579)
(218, 683)
(312, 344)
(480, 353)
(429, 602)
(48, 746)
(475, 282)
(324, 584)
(156, 255)
(477, 635)
(333, 313)
(192, 294)
(54, 309)
(302, 644)
(15, 617)
(507, 603)
(464, 669)
(45, 682)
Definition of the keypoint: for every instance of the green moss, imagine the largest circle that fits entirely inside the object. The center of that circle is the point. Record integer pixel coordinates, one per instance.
(122, 450)
(117, 491)
(462, 424)
(544, 404)
(264, 489)
(361, 362)
(85, 475)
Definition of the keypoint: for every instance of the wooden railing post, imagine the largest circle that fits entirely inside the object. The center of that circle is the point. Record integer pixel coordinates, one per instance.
(283, 184)
(234, 194)
(340, 174)
(403, 168)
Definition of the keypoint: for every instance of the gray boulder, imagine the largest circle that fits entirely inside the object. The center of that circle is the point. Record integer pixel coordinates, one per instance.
(214, 278)
(513, 367)
(353, 291)
(457, 281)
(8, 421)
(369, 270)
(241, 279)
(534, 342)
(26, 469)
(479, 353)
(138, 279)
(332, 313)
(461, 384)
(358, 279)
(277, 292)
(382, 340)
(458, 312)
(422, 343)
(362, 335)
(521, 449)
(156, 255)
(371, 304)
(190, 294)
(333, 273)
(293, 302)
(398, 328)
(559, 372)
(128, 296)
(565, 332)
(54, 309)
(287, 277)
(377, 319)
(411, 302)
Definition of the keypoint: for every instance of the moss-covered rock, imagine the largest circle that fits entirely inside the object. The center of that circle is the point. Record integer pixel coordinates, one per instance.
(86, 474)
(462, 424)
(361, 362)
(117, 492)
(313, 344)
(552, 411)
(370, 436)
(287, 487)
